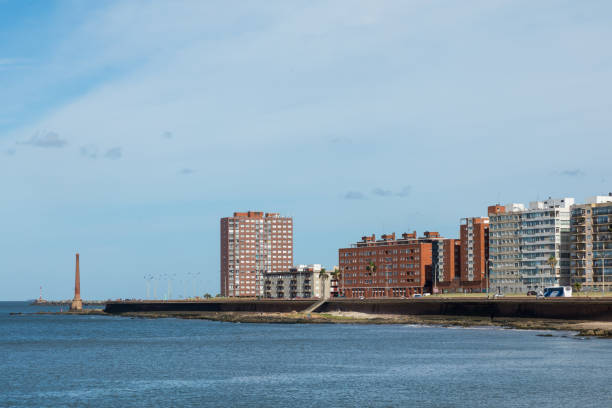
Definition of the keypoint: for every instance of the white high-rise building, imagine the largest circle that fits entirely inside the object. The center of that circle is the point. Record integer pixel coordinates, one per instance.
(529, 247)
(591, 243)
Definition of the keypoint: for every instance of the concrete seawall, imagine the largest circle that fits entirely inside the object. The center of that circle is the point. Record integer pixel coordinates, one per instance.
(574, 309)
(571, 309)
(261, 306)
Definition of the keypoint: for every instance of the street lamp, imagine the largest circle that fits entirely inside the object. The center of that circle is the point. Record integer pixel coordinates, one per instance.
(487, 275)
(435, 289)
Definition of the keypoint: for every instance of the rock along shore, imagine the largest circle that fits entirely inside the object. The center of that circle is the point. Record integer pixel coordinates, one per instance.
(602, 329)
(584, 328)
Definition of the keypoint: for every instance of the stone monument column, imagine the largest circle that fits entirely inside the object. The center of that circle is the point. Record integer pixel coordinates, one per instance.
(77, 303)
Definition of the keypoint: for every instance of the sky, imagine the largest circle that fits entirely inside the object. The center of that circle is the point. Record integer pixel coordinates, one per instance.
(129, 128)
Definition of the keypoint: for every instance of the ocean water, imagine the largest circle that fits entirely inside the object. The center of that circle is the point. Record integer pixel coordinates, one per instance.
(99, 361)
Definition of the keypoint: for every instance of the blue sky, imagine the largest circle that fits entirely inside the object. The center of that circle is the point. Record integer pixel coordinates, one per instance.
(127, 129)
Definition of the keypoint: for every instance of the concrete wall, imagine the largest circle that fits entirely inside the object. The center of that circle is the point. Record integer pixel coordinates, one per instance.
(576, 309)
(284, 306)
(549, 308)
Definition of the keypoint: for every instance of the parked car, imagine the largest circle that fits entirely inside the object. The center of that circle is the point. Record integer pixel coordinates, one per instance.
(532, 293)
(417, 295)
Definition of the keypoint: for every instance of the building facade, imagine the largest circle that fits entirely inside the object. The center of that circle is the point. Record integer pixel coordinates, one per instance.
(387, 267)
(591, 244)
(253, 243)
(303, 281)
(446, 265)
(474, 236)
(529, 247)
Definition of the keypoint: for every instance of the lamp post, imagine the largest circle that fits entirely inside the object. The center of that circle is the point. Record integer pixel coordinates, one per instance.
(487, 275)
(435, 289)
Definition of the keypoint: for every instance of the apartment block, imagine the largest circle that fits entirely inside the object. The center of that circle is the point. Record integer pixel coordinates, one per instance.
(591, 243)
(253, 243)
(474, 236)
(529, 247)
(387, 267)
(302, 281)
(446, 263)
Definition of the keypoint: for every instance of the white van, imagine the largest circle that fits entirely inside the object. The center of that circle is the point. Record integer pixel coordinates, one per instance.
(558, 291)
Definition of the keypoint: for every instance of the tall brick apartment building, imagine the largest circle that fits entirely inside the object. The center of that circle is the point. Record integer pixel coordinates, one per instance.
(446, 264)
(474, 236)
(253, 243)
(401, 265)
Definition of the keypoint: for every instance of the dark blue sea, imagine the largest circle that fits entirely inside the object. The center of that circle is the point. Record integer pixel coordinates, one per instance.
(99, 361)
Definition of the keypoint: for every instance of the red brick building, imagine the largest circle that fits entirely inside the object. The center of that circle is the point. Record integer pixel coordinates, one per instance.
(387, 267)
(474, 236)
(253, 243)
(446, 264)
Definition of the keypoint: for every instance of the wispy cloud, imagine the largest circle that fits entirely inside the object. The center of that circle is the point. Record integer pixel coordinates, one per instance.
(573, 173)
(340, 140)
(45, 140)
(114, 153)
(7, 63)
(382, 192)
(167, 135)
(90, 151)
(354, 195)
(404, 192)
(186, 171)
(10, 152)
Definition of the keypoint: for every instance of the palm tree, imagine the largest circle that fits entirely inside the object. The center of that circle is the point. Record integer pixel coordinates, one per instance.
(371, 268)
(343, 289)
(336, 275)
(552, 261)
(323, 275)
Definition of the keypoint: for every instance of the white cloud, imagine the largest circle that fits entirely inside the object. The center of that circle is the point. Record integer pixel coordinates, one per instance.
(273, 78)
(45, 140)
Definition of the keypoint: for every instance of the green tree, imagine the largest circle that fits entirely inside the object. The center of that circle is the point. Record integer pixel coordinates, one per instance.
(207, 296)
(336, 276)
(371, 268)
(552, 262)
(323, 276)
(577, 286)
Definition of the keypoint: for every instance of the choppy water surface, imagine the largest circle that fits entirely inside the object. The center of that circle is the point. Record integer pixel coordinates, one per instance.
(98, 361)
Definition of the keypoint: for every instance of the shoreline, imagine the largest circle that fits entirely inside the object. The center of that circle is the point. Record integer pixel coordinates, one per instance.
(581, 327)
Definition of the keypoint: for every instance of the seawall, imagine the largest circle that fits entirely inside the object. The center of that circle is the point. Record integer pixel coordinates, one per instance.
(571, 309)
(261, 306)
(595, 309)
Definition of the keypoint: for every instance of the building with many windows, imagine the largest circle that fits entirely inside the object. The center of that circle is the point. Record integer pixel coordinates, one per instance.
(474, 236)
(302, 281)
(387, 267)
(529, 247)
(446, 265)
(253, 243)
(460, 265)
(591, 243)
